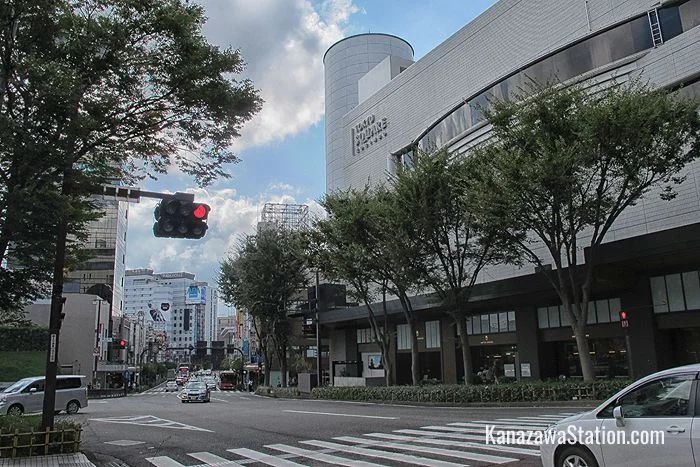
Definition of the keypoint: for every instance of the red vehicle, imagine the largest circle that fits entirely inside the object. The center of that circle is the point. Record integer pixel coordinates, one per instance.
(183, 374)
(227, 380)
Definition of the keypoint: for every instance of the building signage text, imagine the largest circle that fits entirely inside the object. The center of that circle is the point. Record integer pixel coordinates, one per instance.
(367, 132)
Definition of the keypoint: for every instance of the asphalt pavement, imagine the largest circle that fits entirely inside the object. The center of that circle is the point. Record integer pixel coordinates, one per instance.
(235, 428)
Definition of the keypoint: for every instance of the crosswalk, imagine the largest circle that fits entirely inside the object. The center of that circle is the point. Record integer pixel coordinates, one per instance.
(160, 391)
(452, 444)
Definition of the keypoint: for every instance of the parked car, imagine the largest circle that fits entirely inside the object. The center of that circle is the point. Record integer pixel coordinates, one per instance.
(171, 386)
(195, 391)
(27, 395)
(666, 403)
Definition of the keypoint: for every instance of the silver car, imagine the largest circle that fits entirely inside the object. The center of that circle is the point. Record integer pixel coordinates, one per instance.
(195, 391)
(27, 395)
(654, 422)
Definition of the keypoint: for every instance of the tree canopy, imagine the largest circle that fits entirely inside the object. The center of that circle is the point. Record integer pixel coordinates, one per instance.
(96, 91)
(264, 276)
(563, 165)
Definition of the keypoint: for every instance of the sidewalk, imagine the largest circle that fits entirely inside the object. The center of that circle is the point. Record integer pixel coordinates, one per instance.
(59, 460)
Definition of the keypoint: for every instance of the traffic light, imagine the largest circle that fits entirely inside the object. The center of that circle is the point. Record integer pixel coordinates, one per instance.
(179, 218)
(122, 344)
(624, 319)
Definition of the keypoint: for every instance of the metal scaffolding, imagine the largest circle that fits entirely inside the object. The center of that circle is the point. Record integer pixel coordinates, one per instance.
(287, 216)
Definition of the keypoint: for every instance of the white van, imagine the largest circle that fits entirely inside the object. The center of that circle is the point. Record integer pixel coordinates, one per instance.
(27, 395)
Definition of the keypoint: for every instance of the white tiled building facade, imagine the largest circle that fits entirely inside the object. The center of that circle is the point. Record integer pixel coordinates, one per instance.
(381, 107)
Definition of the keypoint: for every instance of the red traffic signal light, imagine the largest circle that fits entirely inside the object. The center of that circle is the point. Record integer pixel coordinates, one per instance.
(200, 211)
(122, 344)
(180, 218)
(623, 315)
(624, 319)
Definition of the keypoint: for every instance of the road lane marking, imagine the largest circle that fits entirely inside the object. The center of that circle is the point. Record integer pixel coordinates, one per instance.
(163, 461)
(395, 456)
(264, 458)
(150, 420)
(459, 444)
(220, 400)
(472, 456)
(212, 459)
(341, 414)
(320, 456)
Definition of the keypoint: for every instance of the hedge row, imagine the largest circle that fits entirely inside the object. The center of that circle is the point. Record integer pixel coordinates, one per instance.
(510, 392)
(23, 339)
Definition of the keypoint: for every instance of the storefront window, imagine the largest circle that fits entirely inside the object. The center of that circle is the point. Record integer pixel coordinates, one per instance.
(491, 323)
(599, 312)
(609, 358)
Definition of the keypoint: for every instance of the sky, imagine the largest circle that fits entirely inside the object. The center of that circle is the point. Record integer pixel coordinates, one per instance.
(281, 149)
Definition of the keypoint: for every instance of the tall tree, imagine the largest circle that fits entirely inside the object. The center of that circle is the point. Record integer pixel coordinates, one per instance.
(436, 210)
(264, 276)
(345, 251)
(97, 91)
(565, 164)
(385, 251)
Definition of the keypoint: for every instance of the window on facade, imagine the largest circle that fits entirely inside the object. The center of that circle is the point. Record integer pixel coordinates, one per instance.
(403, 337)
(675, 292)
(364, 336)
(599, 312)
(432, 334)
(491, 323)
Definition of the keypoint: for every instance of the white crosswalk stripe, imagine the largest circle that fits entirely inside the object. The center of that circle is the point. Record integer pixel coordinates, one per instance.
(164, 461)
(319, 456)
(500, 426)
(428, 450)
(212, 459)
(263, 458)
(460, 444)
(382, 454)
(428, 446)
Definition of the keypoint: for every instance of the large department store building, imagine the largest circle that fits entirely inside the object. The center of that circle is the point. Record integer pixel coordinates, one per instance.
(381, 106)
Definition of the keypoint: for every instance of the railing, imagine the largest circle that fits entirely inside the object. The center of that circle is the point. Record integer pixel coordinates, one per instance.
(40, 443)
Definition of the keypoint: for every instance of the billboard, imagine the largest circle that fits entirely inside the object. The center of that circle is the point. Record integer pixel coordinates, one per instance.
(196, 295)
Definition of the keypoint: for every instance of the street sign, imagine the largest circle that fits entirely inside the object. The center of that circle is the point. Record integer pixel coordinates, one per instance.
(52, 348)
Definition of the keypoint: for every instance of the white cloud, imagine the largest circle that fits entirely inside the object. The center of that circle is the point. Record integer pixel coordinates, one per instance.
(232, 217)
(283, 42)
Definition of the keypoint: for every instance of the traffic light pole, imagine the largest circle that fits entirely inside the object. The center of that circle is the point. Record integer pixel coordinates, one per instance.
(128, 194)
(55, 316)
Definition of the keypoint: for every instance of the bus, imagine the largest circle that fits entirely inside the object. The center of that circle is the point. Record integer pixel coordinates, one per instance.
(183, 374)
(227, 380)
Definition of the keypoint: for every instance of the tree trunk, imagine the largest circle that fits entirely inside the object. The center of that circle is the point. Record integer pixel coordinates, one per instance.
(283, 365)
(386, 362)
(415, 362)
(466, 351)
(583, 352)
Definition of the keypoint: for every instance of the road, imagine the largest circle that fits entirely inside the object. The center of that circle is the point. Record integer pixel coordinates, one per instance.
(239, 428)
